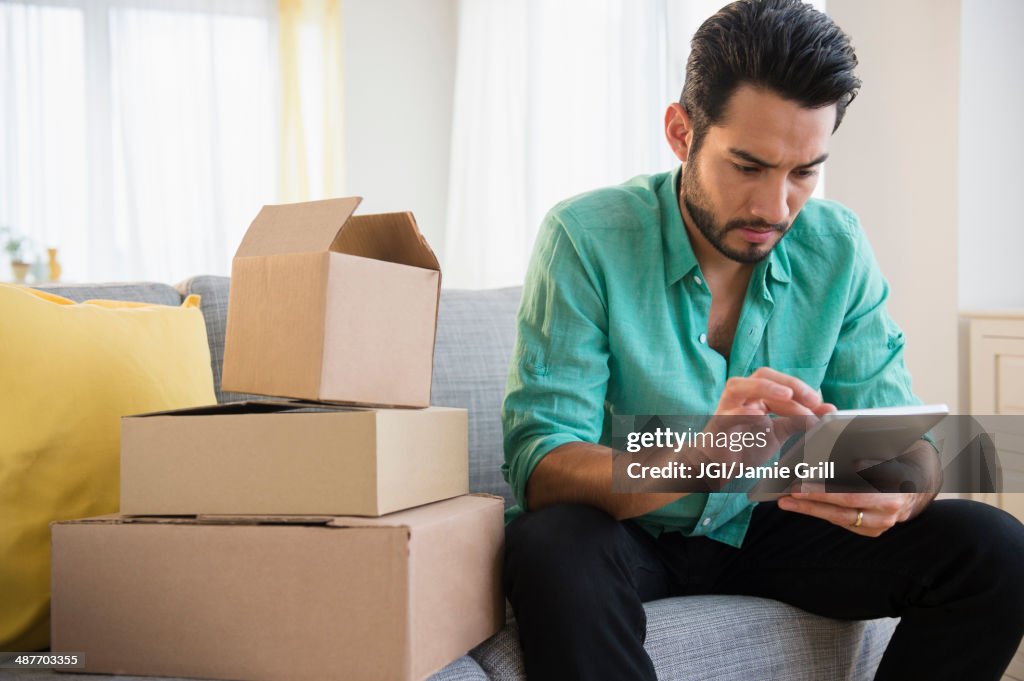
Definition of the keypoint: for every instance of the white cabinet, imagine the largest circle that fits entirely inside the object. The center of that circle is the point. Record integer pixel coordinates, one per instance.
(996, 353)
(997, 387)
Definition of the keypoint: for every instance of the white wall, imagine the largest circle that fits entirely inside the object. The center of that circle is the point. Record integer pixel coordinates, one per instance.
(894, 162)
(991, 155)
(399, 79)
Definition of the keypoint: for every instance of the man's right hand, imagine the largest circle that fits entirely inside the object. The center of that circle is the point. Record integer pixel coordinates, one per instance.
(581, 472)
(767, 391)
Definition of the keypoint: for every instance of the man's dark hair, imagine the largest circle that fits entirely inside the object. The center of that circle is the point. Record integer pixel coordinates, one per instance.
(785, 46)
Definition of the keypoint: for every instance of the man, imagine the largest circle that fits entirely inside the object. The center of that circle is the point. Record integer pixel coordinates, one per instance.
(724, 289)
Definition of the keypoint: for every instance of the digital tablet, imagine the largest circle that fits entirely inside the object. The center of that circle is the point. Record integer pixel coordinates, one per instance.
(835, 448)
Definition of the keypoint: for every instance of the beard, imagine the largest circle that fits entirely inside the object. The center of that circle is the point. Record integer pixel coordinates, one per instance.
(698, 205)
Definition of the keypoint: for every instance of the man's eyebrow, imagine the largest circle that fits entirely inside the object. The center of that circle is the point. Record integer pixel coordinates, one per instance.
(750, 158)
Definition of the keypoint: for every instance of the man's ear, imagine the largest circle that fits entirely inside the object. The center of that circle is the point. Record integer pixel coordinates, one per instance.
(678, 131)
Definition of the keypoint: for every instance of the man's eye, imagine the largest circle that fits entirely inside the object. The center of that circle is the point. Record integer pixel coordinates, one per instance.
(806, 172)
(746, 170)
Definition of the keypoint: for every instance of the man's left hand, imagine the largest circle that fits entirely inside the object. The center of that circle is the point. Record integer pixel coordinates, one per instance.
(872, 513)
(868, 514)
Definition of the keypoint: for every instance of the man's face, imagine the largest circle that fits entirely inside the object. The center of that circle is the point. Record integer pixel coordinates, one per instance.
(754, 171)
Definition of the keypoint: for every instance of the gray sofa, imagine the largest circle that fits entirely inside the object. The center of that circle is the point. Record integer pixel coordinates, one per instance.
(706, 638)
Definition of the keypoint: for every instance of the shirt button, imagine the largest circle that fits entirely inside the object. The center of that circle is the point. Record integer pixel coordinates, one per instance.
(697, 280)
(707, 521)
(703, 338)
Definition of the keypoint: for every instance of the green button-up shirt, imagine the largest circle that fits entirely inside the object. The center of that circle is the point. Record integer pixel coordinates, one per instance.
(614, 321)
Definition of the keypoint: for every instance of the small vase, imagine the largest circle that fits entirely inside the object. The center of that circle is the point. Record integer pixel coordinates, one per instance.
(20, 271)
(54, 265)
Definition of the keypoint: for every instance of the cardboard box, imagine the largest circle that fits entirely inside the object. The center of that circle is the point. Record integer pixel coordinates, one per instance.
(380, 599)
(332, 307)
(286, 457)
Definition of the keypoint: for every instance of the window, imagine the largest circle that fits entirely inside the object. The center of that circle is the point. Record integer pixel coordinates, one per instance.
(137, 136)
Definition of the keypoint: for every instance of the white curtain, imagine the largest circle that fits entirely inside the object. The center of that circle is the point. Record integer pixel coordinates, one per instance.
(136, 136)
(553, 98)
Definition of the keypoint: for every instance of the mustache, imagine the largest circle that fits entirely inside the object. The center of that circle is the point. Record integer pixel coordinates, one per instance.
(761, 225)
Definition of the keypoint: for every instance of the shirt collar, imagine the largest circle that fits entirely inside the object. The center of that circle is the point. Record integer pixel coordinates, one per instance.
(680, 260)
(778, 262)
(679, 257)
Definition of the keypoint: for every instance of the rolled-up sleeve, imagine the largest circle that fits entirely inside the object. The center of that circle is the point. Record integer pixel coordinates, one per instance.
(867, 367)
(558, 376)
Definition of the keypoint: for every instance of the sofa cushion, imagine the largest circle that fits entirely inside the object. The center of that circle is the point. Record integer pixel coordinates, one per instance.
(141, 292)
(71, 371)
(475, 332)
(731, 638)
(213, 291)
(463, 669)
(741, 638)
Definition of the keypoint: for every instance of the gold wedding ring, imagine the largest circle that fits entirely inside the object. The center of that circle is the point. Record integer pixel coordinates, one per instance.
(859, 520)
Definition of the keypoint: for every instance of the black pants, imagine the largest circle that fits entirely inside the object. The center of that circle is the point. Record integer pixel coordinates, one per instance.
(577, 579)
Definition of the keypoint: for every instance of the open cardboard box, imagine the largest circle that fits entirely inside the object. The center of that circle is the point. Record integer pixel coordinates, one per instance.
(280, 599)
(291, 457)
(329, 306)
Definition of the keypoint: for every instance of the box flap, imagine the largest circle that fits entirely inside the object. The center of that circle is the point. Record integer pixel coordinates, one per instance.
(273, 406)
(107, 519)
(427, 514)
(392, 237)
(225, 408)
(296, 227)
(120, 519)
(226, 519)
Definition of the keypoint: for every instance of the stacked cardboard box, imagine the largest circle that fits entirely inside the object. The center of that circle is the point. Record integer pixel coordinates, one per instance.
(326, 534)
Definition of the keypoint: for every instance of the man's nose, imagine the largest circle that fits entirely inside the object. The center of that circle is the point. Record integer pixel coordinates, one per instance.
(771, 201)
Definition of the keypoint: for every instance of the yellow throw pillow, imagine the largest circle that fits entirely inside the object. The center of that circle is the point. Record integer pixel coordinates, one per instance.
(68, 373)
